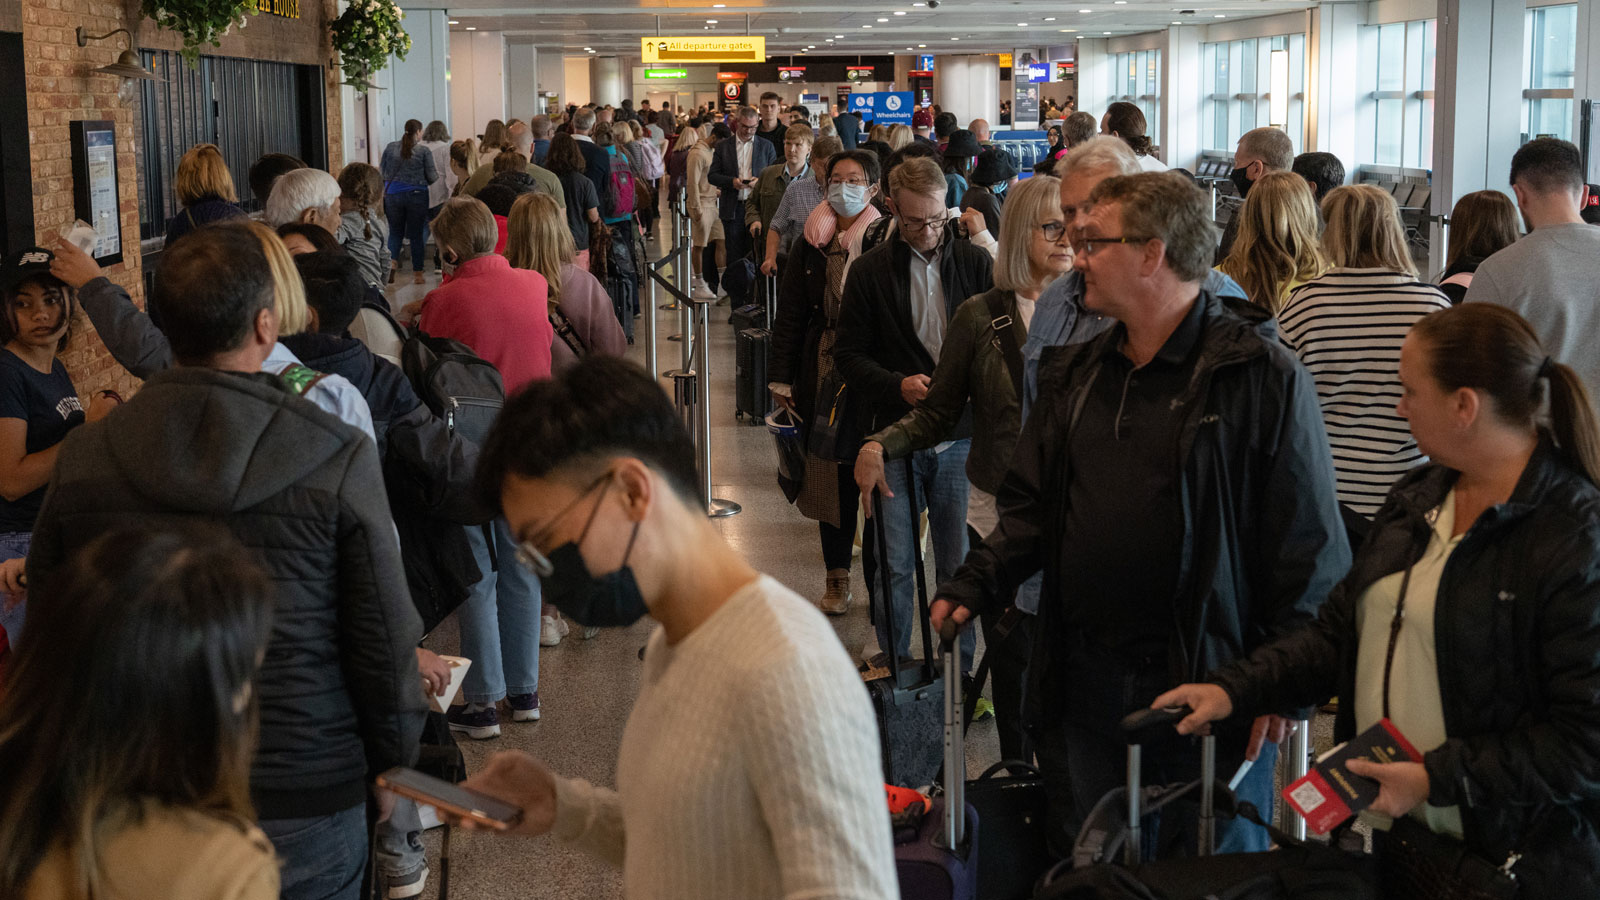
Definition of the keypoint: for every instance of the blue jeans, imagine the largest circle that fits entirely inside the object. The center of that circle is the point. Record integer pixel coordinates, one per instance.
(323, 856)
(941, 489)
(400, 841)
(500, 622)
(408, 220)
(14, 546)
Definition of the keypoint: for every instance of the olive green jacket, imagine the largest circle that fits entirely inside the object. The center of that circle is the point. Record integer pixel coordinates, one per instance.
(971, 367)
(768, 193)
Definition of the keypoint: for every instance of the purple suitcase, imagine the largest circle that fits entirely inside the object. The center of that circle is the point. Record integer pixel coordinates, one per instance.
(940, 861)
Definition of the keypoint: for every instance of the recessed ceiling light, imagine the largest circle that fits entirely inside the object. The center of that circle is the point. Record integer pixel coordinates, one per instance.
(838, 35)
(591, 49)
(1022, 24)
(1086, 10)
(1069, 31)
(922, 45)
(829, 40)
(1049, 18)
(470, 28)
(919, 4)
(955, 39)
(1177, 23)
(711, 21)
(866, 26)
(1105, 32)
(455, 21)
(899, 12)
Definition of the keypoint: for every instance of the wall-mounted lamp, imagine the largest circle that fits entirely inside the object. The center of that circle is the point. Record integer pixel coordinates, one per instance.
(126, 67)
(1278, 110)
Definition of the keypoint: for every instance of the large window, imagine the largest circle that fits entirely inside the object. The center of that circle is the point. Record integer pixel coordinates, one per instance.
(1137, 79)
(1399, 109)
(1238, 78)
(1549, 50)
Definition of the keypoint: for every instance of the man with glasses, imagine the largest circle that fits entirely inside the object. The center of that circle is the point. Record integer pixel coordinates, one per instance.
(898, 298)
(1175, 486)
(736, 166)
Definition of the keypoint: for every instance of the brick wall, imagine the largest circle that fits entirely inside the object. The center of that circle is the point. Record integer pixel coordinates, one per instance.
(61, 87)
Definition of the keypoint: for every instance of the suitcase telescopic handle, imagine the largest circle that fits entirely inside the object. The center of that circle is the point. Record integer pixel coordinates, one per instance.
(1139, 724)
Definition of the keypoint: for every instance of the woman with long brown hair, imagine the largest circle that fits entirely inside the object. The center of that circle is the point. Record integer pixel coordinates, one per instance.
(494, 140)
(1482, 224)
(1279, 245)
(127, 726)
(1470, 621)
(407, 170)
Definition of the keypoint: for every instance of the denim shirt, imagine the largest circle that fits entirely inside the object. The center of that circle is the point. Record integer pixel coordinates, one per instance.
(1060, 319)
(403, 175)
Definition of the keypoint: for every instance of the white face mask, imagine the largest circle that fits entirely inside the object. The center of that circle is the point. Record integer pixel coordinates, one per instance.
(847, 199)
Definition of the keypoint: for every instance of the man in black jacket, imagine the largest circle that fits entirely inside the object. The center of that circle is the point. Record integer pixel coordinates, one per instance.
(217, 440)
(1175, 485)
(897, 300)
(736, 166)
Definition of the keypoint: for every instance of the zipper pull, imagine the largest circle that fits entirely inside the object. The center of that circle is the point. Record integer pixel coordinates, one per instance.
(450, 415)
(1511, 860)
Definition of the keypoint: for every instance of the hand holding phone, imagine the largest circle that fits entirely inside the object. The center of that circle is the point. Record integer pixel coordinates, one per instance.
(457, 803)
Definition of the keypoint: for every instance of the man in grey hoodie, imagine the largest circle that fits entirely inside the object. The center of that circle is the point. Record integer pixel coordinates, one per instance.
(215, 439)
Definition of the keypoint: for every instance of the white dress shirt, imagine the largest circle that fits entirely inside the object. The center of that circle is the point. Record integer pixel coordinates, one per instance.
(745, 149)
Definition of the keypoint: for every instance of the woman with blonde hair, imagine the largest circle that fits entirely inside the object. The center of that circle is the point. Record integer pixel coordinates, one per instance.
(205, 191)
(899, 136)
(1347, 327)
(974, 373)
(462, 154)
(879, 133)
(1278, 247)
(580, 310)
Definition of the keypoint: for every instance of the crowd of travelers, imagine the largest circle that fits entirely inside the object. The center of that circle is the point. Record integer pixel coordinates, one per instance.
(1247, 471)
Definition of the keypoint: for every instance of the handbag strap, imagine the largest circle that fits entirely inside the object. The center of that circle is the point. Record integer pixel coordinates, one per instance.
(1394, 636)
(568, 334)
(1005, 337)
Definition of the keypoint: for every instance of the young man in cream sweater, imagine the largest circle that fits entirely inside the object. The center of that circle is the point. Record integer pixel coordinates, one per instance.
(750, 764)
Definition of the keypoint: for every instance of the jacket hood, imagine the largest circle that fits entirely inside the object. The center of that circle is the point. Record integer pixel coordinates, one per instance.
(210, 442)
(333, 354)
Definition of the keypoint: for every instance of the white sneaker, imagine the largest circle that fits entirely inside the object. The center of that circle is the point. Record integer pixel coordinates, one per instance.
(701, 290)
(549, 631)
(561, 625)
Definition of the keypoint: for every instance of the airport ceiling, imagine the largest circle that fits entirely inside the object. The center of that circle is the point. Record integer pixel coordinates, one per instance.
(833, 28)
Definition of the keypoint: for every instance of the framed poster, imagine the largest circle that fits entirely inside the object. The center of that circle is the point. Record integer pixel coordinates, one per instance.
(94, 186)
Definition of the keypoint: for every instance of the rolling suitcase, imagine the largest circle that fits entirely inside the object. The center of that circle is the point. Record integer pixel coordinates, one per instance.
(750, 315)
(907, 698)
(1108, 862)
(939, 860)
(751, 398)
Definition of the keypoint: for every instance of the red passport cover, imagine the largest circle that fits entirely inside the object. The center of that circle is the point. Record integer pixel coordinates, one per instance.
(1330, 793)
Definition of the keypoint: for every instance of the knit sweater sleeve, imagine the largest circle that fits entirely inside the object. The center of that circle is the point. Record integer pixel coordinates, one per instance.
(812, 725)
(591, 818)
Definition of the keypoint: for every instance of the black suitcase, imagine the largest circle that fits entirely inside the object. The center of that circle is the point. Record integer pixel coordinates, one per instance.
(750, 395)
(750, 315)
(908, 699)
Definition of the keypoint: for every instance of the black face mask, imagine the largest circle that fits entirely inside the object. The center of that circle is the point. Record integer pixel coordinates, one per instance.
(1241, 180)
(605, 601)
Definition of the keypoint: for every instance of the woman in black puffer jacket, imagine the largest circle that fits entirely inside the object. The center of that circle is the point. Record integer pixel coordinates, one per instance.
(1470, 617)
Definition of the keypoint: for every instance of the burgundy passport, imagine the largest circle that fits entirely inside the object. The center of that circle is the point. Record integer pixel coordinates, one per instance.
(1329, 794)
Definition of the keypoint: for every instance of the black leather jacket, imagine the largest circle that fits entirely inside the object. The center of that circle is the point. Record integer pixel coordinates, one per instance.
(1263, 543)
(1517, 637)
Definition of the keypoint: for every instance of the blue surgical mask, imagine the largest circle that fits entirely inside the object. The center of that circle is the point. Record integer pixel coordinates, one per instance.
(847, 199)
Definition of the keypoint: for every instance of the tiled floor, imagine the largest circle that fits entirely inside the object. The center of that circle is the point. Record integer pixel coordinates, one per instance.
(586, 687)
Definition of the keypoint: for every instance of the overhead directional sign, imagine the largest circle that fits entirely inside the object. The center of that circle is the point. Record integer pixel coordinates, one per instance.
(665, 74)
(692, 49)
(885, 107)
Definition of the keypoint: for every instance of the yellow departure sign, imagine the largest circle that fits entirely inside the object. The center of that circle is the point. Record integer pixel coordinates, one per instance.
(694, 49)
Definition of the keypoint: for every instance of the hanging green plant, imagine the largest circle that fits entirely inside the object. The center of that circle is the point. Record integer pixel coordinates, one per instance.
(202, 23)
(366, 35)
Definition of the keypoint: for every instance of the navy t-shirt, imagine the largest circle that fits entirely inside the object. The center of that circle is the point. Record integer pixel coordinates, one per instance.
(49, 404)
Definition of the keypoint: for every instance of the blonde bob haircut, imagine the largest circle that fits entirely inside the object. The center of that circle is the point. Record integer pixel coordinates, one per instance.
(1014, 269)
(1278, 242)
(288, 291)
(466, 226)
(899, 136)
(1363, 230)
(202, 173)
(537, 238)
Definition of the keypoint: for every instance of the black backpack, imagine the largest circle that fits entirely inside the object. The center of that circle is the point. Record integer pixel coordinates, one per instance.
(460, 386)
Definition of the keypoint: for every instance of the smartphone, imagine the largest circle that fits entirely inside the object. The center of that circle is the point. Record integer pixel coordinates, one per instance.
(452, 798)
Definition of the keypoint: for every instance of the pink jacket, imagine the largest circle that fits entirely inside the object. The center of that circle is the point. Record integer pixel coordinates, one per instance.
(500, 312)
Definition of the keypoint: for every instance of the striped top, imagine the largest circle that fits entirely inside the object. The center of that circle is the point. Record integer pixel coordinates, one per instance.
(1347, 328)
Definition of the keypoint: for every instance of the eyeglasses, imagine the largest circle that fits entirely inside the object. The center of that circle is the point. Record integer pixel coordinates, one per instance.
(858, 182)
(918, 225)
(529, 555)
(1053, 231)
(1089, 246)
